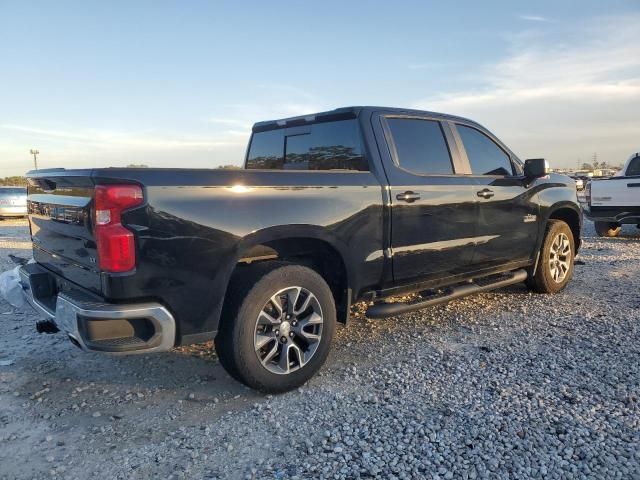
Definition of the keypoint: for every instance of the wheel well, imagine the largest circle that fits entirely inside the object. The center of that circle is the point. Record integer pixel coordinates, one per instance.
(571, 218)
(310, 252)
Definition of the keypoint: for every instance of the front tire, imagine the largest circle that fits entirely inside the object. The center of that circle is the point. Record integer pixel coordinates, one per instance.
(277, 326)
(555, 262)
(607, 229)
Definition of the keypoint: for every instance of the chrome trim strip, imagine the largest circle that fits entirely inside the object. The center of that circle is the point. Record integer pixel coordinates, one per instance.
(444, 244)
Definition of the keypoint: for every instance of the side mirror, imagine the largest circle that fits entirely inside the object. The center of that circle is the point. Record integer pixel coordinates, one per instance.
(536, 168)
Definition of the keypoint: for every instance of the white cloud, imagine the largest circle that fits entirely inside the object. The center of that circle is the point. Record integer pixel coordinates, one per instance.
(86, 148)
(113, 139)
(222, 139)
(429, 65)
(565, 95)
(230, 122)
(533, 18)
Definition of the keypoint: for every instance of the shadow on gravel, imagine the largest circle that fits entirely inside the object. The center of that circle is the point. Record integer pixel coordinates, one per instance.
(176, 370)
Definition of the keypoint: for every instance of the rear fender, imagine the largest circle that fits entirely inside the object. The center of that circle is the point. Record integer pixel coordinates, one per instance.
(269, 235)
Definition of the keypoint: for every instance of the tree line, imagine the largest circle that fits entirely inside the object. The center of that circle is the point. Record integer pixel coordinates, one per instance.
(13, 181)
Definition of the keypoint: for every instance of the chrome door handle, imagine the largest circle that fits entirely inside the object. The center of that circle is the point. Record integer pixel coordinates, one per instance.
(408, 197)
(485, 193)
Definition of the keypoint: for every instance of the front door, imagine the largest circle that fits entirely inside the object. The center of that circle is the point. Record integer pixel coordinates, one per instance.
(433, 210)
(508, 223)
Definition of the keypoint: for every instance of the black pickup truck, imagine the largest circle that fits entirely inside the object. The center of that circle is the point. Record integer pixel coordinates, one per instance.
(354, 204)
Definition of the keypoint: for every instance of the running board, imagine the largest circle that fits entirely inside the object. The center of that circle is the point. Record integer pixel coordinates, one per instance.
(385, 309)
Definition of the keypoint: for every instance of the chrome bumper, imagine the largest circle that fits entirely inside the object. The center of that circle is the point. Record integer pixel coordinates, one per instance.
(10, 211)
(80, 316)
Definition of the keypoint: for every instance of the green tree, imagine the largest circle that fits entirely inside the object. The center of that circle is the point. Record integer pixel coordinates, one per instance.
(13, 181)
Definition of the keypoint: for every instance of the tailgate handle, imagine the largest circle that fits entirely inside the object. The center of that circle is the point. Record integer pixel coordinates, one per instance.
(631, 185)
(485, 193)
(408, 196)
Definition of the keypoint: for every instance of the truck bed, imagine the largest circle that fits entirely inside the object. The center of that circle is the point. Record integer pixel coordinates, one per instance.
(616, 192)
(193, 227)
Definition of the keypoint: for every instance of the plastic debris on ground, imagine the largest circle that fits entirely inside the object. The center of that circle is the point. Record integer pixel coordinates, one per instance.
(11, 289)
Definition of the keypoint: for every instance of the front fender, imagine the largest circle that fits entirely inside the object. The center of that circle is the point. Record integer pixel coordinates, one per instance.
(560, 205)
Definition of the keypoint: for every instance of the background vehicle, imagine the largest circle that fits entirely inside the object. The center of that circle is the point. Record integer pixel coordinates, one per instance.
(13, 202)
(581, 181)
(359, 203)
(614, 201)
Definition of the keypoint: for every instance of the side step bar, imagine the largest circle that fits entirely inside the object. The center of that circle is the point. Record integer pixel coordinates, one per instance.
(384, 309)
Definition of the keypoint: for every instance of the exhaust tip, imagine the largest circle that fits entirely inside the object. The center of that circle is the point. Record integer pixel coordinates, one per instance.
(46, 326)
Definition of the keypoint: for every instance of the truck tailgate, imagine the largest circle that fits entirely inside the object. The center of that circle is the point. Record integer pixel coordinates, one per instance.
(62, 228)
(616, 192)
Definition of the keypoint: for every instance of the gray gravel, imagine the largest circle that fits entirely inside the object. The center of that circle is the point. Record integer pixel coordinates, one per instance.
(500, 385)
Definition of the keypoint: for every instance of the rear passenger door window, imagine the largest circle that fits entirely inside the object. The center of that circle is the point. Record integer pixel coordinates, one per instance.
(420, 146)
(485, 156)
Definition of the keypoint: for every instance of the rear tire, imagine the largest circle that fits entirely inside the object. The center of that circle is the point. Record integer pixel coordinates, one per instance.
(555, 262)
(277, 326)
(607, 229)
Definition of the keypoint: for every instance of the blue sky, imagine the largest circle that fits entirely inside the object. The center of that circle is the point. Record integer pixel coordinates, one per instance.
(180, 83)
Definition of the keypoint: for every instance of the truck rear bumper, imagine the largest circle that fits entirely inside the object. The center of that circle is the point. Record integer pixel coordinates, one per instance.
(622, 217)
(95, 325)
(13, 211)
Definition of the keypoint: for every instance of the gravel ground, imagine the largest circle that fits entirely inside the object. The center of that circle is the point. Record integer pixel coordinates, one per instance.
(501, 385)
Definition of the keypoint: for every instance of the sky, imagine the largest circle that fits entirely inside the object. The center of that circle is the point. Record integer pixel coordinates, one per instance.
(179, 84)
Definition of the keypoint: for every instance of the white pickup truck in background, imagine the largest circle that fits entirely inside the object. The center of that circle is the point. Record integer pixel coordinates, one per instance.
(614, 201)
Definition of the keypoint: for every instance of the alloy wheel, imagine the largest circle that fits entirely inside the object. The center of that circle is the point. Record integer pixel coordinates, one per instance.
(560, 258)
(288, 330)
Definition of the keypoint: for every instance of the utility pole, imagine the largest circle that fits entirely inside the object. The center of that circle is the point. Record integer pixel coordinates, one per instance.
(35, 154)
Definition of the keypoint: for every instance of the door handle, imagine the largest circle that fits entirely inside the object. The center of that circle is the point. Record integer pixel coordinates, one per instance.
(408, 197)
(485, 193)
(631, 185)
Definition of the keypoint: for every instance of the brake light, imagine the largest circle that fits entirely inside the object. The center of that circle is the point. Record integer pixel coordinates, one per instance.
(116, 246)
(587, 193)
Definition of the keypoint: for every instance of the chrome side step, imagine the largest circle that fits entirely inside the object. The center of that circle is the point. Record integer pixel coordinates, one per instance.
(385, 309)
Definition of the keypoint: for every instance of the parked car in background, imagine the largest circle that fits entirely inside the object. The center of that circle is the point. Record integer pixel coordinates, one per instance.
(581, 181)
(13, 202)
(614, 201)
(359, 203)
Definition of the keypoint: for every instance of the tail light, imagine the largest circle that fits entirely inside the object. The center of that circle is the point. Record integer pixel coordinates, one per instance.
(116, 246)
(587, 193)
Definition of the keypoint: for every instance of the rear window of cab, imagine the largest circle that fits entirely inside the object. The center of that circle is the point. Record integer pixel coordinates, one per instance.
(324, 146)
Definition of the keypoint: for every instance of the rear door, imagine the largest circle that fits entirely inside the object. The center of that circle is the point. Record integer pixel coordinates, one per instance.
(432, 208)
(507, 222)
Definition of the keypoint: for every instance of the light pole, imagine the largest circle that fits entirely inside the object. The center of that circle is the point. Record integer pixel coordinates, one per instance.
(35, 154)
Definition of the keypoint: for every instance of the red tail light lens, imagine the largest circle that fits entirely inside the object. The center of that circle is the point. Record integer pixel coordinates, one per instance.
(116, 246)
